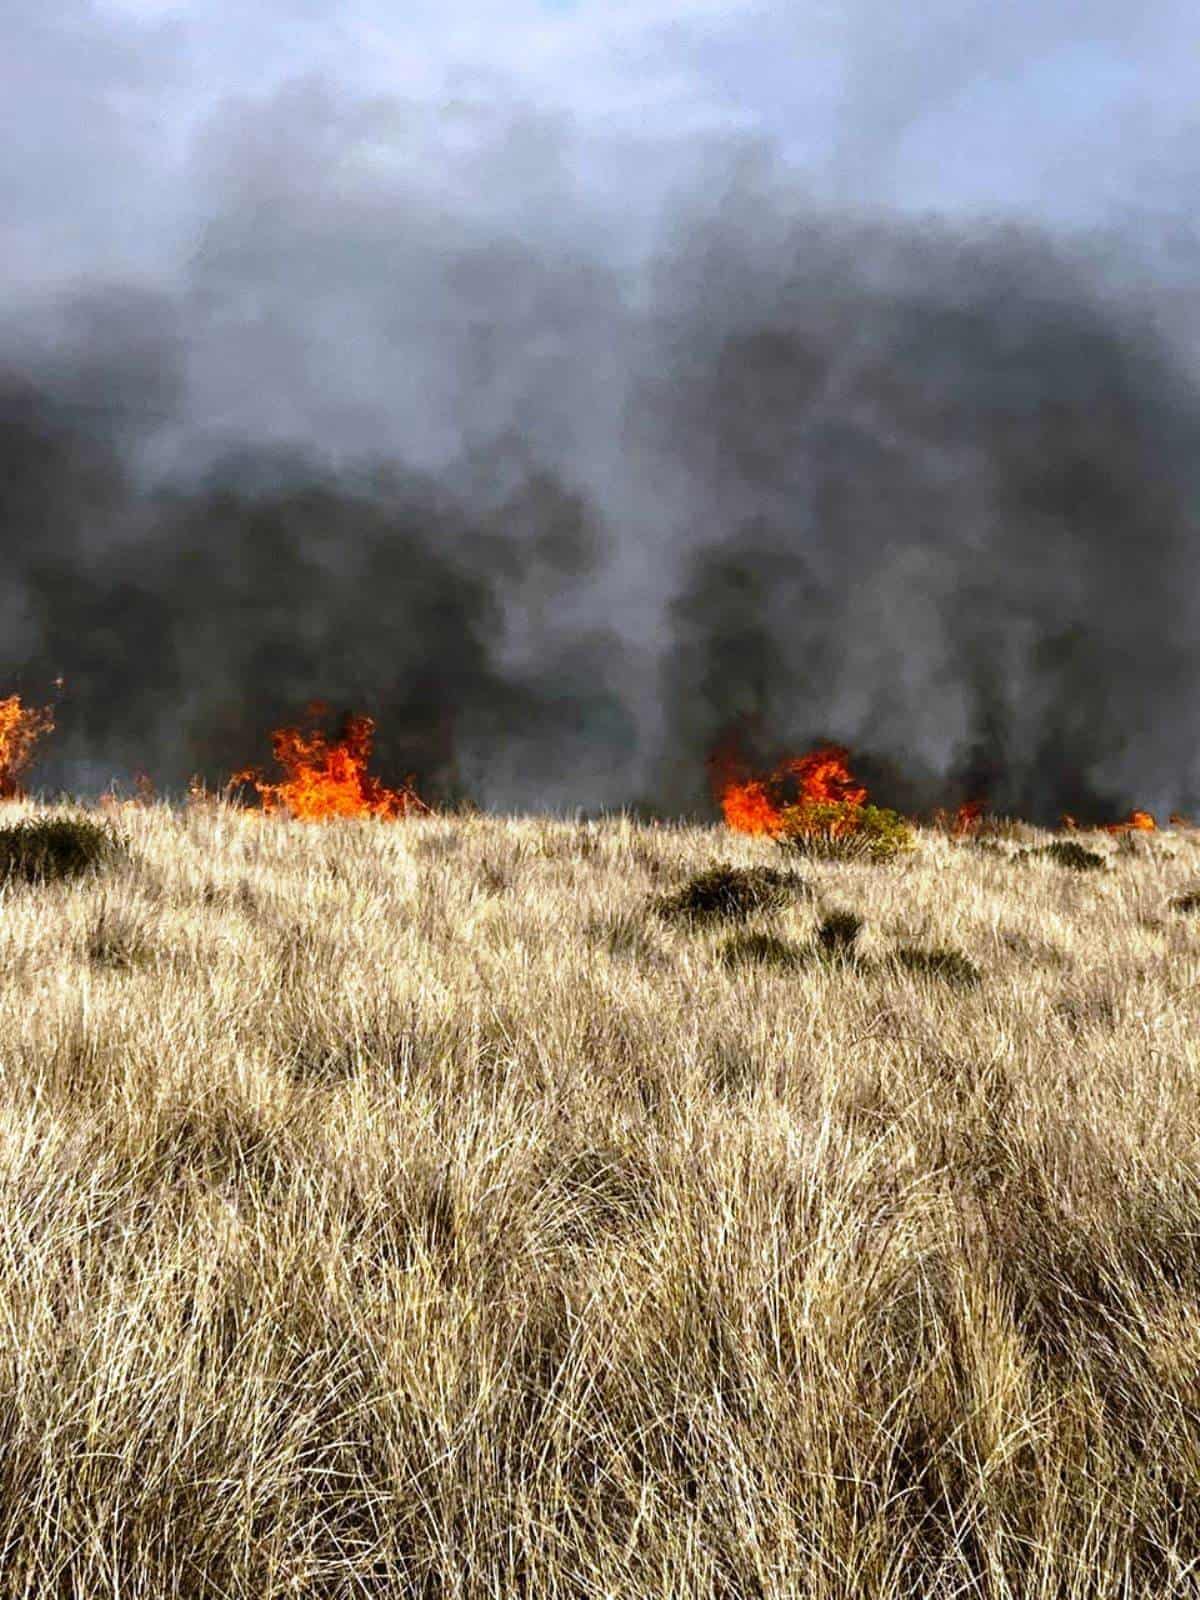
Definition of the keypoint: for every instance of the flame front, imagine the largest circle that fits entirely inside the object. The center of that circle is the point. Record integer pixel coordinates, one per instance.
(329, 778)
(776, 804)
(20, 729)
(1135, 822)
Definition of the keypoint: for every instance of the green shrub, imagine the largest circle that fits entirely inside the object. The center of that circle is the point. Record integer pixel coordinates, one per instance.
(48, 849)
(832, 832)
(949, 965)
(731, 893)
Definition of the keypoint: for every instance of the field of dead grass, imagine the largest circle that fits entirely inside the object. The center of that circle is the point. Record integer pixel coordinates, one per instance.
(429, 1209)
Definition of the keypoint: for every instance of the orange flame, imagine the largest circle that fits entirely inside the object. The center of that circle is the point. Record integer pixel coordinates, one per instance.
(20, 729)
(758, 805)
(327, 779)
(1135, 822)
(969, 815)
(965, 819)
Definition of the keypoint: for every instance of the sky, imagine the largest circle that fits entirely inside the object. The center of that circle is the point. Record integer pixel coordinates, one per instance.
(147, 141)
(1073, 109)
(590, 240)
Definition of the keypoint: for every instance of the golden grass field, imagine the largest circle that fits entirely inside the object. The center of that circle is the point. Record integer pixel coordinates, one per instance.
(408, 1209)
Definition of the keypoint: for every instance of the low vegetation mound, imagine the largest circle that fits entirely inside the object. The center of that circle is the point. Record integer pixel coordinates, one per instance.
(1065, 853)
(55, 849)
(950, 966)
(761, 950)
(731, 893)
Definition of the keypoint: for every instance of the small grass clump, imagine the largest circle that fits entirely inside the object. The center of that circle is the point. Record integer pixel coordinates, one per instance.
(116, 941)
(56, 849)
(731, 893)
(1065, 853)
(838, 933)
(951, 966)
(1188, 901)
(827, 831)
(761, 950)
(625, 938)
(988, 846)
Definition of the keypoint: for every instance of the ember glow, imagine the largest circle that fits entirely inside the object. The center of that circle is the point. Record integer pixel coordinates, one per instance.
(20, 729)
(329, 778)
(818, 783)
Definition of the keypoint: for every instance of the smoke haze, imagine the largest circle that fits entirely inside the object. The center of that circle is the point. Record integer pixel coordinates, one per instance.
(561, 448)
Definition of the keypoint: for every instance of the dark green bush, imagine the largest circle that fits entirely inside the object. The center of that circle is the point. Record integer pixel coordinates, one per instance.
(731, 893)
(55, 849)
(949, 965)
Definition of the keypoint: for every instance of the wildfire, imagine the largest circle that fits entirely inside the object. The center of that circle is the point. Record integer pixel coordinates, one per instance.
(329, 778)
(20, 729)
(776, 804)
(966, 819)
(145, 794)
(1135, 822)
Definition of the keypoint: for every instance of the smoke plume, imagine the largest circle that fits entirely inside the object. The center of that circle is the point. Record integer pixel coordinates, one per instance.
(559, 522)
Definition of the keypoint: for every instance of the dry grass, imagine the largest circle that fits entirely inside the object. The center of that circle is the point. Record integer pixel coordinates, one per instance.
(408, 1209)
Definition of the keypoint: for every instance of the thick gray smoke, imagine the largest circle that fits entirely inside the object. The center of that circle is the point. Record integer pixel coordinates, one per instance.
(939, 493)
(559, 524)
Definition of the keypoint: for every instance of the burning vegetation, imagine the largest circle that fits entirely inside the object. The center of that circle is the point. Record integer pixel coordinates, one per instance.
(967, 819)
(810, 803)
(1135, 822)
(328, 778)
(20, 729)
(803, 793)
